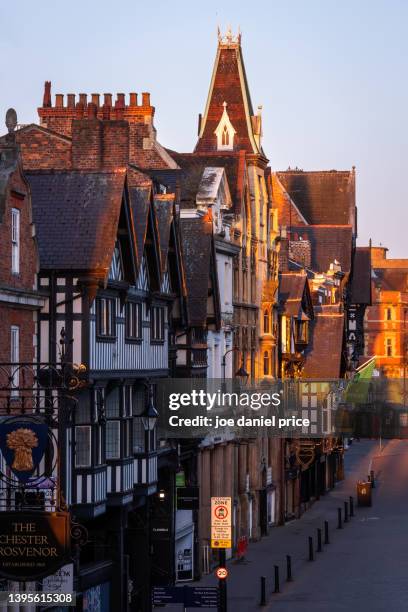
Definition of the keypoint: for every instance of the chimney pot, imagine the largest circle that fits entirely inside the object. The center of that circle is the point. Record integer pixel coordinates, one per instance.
(120, 101)
(47, 94)
(95, 99)
(145, 99)
(83, 98)
(133, 99)
(59, 100)
(71, 100)
(107, 98)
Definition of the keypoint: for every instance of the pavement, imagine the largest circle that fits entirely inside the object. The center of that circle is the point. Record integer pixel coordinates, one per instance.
(365, 565)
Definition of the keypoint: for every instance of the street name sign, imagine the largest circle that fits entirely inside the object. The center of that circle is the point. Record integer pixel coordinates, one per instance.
(221, 522)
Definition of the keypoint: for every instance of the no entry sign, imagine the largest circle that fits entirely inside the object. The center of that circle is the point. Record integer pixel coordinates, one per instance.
(221, 535)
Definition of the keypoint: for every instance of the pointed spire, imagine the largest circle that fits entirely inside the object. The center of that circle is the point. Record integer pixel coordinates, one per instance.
(229, 89)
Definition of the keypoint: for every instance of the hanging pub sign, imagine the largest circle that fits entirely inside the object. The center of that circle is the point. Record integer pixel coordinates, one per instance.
(32, 544)
(23, 442)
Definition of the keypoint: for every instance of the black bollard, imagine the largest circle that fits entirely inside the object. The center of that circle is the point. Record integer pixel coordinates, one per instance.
(326, 532)
(289, 568)
(311, 554)
(372, 479)
(319, 540)
(263, 591)
(339, 525)
(351, 505)
(276, 579)
(346, 514)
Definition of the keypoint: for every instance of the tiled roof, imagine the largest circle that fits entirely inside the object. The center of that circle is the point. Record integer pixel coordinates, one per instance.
(323, 355)
(140, 198)
(193, 166)
(196, 244)
(229, 84)
(163, 206)
(292, 288)
(76, 215)
(327, 244)
(322, 197)
(391, 279)
(361, 281)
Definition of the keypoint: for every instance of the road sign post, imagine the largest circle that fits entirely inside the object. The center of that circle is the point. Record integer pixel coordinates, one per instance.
(221, 538)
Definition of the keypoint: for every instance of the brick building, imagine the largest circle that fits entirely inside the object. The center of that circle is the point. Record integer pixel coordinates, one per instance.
(19, 298)
(386, 320)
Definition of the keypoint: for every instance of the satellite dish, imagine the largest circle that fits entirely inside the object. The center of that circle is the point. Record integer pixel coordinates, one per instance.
(11, 120)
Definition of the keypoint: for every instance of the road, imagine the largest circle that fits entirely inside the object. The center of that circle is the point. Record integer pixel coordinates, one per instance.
(366, 565)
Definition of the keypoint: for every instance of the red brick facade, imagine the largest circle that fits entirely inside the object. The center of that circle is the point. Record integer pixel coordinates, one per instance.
(18, 298)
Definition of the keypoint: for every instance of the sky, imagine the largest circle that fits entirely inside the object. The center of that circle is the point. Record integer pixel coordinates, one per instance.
(331, 76)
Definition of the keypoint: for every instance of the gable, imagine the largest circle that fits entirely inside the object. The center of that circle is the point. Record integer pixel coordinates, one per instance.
(43, 149)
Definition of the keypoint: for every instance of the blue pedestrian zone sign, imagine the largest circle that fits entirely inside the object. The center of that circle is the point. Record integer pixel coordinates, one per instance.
(189, 597)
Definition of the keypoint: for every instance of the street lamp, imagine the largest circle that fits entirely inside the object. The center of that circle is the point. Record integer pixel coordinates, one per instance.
(240, 373)
(149, 415)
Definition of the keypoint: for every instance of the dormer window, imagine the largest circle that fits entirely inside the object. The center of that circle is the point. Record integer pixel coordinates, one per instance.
(225, 132)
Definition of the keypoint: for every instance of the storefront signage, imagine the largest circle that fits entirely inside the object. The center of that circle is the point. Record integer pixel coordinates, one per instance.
(221, 522)
(60, 582)
(33, 545)
(190, 597)
(23, 442)
(188, 498)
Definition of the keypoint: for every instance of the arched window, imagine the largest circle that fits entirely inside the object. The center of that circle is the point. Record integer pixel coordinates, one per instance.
(225, 137)
(266, 363)
(266, 326)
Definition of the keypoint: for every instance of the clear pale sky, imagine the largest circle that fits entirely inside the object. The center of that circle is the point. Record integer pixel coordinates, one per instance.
(331, 75)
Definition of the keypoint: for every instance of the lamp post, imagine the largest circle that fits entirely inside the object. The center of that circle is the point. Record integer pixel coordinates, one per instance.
(149, 418)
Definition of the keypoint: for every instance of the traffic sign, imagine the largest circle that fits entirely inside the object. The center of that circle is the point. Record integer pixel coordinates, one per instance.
(221, 526)
(221, 573)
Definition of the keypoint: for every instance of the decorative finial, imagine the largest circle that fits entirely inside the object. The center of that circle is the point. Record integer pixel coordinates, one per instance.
(229, 38)
(11, 120)
(224, 105)
(219, 34)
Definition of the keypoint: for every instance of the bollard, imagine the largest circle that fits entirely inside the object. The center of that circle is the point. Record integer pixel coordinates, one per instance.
(319, 540)
(276, 579)
(351, 499)
(311, 555)
(289, 568)
(346, 514)
(263, 591)
(326, 532)
(339, 525)
(372, 479)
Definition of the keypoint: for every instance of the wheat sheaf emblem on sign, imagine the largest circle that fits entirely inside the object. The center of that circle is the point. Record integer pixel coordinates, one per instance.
(22, 441)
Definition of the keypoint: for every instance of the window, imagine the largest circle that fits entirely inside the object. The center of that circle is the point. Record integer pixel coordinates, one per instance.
(15, 241)
(157, 324)
(83, 446)
(133, 321)
(266, 324)
(388, 347)
(105, 317)
(225, 137)
(138, 436)
(266, 363)
(388, 314)
(302, 334)
(15, 358)
(112, 439)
